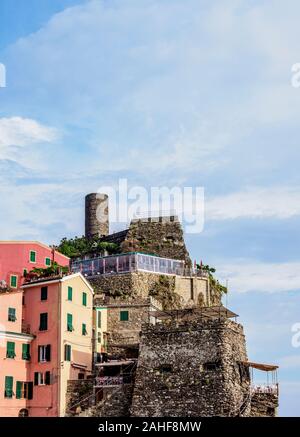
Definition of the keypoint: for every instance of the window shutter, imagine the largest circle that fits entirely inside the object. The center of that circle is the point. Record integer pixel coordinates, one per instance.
(70, 293)
(36, 378)
(69, 322)
(30, 390)
(25, 351)
(44, 293)
(84, 299)
(67, 352)
(47, 378)
(48, 352)
(9, 380)
(124, 316)
(10, 351)
(19, 389)
(39, 354)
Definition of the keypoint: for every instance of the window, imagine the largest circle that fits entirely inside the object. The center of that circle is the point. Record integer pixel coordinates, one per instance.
(84, 299)
(44, 353)
(213, 365)
(192, 288)
(44, 293)
(24, 273)
(24, 390)
(26, 351)
(38, 378)
(99, 319)
(84, 331)
(8, 391)
(32, 256)
(70, 293)
(43, 321)
(124, 316)
(12, 315)
(70, 323)
(48, 262)
(165, 368)
(68, 352)
(13, 281)
(10, 349)
(80, 375)
(99, 337)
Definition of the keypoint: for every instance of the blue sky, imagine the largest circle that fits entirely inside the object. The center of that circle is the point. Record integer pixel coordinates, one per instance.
(164, 92)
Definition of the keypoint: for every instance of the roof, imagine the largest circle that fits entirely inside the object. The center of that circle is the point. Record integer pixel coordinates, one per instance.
(57, 279)
(260, 366)
(32, 242)
(211, 312)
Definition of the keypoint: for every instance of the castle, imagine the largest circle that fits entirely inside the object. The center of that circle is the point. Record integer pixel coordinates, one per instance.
(128, 327)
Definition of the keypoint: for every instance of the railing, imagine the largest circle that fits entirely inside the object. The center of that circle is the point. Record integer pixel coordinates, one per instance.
(105, 381)
(126, 263)
(264, 388)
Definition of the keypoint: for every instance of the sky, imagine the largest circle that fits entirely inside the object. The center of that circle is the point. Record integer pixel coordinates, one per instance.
(165, 93)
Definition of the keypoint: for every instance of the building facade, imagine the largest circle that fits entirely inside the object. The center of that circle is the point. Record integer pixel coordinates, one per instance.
(19, 257)
(57, 315)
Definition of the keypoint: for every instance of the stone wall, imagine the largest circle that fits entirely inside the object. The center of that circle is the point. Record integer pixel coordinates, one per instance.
(79, 391)
(96, 215)
(264, 405)
(116, 402)
(192, 369)
(162, 239)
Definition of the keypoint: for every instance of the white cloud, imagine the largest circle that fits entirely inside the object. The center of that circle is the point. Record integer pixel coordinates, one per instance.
(246, 276)
(256, 202)
(19, 138)
(18, 131)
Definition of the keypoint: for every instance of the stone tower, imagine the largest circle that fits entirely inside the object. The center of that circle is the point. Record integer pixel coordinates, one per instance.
(96, 215)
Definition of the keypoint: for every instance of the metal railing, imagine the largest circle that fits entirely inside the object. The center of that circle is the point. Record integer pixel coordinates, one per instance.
(264, 388)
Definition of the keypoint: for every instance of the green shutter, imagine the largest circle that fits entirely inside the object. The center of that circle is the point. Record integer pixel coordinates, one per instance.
(43, 321)
(70, 293)
(12, 315)
(10, 350)
(19, 389)
(13, 281)
(84, 331)
(124, 316)
(32, 256)
(48, 262)
(99, 319)
(67, 352)
(9, 380)
(70, 322)
(25, 351)
(84, 299)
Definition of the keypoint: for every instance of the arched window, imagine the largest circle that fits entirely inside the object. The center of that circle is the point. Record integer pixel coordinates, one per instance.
(23, 412)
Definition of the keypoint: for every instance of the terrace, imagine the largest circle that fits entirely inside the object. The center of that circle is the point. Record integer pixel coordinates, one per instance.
(132, 262)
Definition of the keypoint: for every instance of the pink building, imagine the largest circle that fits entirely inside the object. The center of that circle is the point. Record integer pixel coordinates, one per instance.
(35, 367)
(15, 353)
(18, 257)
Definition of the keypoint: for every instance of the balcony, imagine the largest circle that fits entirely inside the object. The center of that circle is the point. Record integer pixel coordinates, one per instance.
(25, 329)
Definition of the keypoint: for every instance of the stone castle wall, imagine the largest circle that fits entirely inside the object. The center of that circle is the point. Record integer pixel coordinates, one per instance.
(264, 405)
(192, 370)
(163, 239)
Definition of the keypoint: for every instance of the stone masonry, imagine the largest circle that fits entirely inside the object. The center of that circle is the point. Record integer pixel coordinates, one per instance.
(192, 369)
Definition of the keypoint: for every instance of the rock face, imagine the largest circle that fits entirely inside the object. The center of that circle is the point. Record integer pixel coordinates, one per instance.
(96, 215)
(192, 369)
(161, 238)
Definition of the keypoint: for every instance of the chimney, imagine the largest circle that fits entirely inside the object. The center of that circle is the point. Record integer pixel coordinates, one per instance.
(96, 215)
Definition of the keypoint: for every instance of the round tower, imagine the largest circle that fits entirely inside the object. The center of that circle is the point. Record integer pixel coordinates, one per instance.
(96, 215)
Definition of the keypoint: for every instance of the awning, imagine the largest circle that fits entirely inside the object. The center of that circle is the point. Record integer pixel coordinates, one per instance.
(79, 366)
(260, 366)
